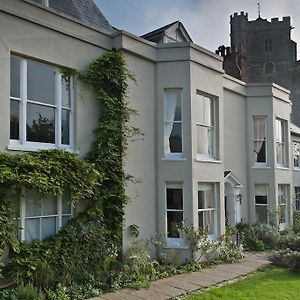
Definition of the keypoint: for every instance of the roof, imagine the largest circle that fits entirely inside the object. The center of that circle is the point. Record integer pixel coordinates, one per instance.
(295, 129)
(83, 10)
(156, 34)
(231, 178)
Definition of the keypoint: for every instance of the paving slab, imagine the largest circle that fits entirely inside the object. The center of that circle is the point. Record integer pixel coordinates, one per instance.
(182, 284)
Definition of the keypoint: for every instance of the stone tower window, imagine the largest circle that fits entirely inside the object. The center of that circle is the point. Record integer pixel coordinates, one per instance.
(269, 68)
(268, 45)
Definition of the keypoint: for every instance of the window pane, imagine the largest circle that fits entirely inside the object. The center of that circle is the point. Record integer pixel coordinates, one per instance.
(261, 199)
(174, 219)
(201, 202)
(66, 206)
(279, 153)
(49, 206)
(65, 92)
(40, 123)
(296, 153)
(261, 189)
(14, 120)
(207, 220)
(174, 199)
(175, 139)
(65, 220)
(177, 116)
(260, 155)
(32, 229)
(209, 195)
(40, 82)
(48, 227)
(261, 214)
(204, 140)
(65, 127)
(33, 204)
(15, 77)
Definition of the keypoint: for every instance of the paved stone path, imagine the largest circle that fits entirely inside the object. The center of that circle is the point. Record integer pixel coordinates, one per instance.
(189, 282)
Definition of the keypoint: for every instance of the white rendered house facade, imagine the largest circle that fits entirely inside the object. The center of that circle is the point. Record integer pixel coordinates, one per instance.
(214, 148)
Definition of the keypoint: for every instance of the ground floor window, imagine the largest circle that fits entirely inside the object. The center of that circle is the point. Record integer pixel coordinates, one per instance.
(261, 203)
(174, 209)
(42, 216)
(283, 191)
(207, 207)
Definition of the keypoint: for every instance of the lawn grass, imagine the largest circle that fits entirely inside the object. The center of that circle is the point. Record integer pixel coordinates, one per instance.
(270, 284)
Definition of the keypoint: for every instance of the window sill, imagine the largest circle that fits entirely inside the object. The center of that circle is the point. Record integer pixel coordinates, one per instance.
(282, 168)
(297, 169)
(36, 147)
(258, 167)
(173, 158)
(176, 243)
(208, 160)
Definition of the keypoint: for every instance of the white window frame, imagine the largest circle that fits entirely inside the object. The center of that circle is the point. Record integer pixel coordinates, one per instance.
(213, 127)
(281, 141)
(211, 211)
(283, 194)
(173, 155)
(22, 144)
(260, 204)
(296, 155)
(59, 215)
(297, 197)
(255, 163)
(171, 241)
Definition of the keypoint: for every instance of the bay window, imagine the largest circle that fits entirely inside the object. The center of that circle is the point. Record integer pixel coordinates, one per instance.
(174, 209)
(173, 122)
(260, 140)
(206, 127)
(261, 203)
(281, 143)
(41, 106)
(207, 207)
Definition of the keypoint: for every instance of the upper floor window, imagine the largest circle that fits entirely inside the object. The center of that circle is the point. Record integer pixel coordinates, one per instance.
(281, 143)
(206, 127)
(173, 122)
(260, 139)
(296, 154)
(40, 106)
(261, 203)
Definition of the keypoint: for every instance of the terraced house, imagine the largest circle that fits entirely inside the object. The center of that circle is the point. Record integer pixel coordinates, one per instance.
(214, 150)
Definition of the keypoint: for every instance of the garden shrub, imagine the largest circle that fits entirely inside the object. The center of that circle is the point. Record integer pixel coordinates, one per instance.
(290, 242)
(296, 222)
(259, 236)
(80, 254)
(286, 258)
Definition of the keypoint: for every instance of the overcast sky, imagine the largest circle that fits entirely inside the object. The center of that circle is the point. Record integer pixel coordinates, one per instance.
(207, 21)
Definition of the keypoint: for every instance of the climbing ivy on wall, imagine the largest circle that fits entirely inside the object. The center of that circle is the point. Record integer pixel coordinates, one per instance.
(99, 180)
(109, 76)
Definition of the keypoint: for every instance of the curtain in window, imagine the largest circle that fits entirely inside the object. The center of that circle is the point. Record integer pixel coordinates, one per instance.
(259, 135)
(170, 107)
